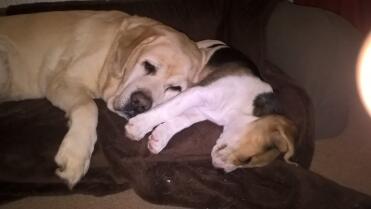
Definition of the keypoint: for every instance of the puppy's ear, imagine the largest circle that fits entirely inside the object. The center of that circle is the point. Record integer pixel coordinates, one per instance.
(135, 33)
(264, 158)
(279, 134)
(283, 137)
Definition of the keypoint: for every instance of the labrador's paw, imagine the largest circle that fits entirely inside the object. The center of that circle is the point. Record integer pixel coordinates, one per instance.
(73, 160)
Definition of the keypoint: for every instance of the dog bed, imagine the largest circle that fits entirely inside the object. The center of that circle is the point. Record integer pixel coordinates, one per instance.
(31, 131)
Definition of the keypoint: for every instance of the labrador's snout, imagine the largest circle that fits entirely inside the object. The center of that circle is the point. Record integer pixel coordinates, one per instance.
(139, 102)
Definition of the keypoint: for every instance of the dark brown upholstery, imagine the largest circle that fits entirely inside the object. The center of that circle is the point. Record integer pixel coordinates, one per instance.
(319, 49)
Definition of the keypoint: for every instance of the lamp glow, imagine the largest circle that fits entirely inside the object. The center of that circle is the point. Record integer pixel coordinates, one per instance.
(364, 74)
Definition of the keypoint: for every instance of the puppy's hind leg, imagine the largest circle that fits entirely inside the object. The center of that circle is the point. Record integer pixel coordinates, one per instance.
(73, 157)
(162, 134)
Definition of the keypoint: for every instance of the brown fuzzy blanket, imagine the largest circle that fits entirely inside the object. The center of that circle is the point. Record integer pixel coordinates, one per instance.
(31, 131)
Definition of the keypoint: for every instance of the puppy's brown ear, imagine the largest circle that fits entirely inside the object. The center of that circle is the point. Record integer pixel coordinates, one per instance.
(264, 158)
(135, 33)
(283, 137)
(274, 134)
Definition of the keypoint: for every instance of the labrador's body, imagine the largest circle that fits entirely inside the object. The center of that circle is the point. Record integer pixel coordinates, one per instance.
(230, 94)
(133, 63)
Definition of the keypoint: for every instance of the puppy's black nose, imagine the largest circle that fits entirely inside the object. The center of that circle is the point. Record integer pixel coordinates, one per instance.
(140, 102)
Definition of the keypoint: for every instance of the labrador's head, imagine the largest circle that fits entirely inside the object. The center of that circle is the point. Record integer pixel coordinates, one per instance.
(261, 142)
(150, 63)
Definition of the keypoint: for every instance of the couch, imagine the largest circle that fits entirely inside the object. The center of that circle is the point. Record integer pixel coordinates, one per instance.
(287, 53)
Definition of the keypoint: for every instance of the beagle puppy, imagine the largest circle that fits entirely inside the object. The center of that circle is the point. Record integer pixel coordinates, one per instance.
(232, 94)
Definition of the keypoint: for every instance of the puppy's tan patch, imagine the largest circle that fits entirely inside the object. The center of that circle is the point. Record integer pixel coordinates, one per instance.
(264, 141)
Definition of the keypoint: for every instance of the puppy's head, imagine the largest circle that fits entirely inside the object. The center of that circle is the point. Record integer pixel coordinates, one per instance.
(150, 63)
(261, 142)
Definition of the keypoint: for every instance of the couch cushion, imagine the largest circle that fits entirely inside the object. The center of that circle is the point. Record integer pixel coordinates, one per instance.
(318, 49)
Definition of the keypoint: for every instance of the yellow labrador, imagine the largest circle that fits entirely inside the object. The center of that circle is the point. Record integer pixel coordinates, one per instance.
(133, 63)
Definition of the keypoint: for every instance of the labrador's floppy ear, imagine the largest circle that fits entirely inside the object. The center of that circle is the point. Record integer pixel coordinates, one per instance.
(207, 48)
(134, 33)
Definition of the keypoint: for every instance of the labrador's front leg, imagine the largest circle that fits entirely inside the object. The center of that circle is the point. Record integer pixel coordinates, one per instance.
(140, 125)
(73, 157)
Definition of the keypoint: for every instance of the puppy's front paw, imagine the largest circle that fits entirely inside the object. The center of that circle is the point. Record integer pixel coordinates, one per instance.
(73, 161)
(159, 138)
(137, 128)
(221, 157)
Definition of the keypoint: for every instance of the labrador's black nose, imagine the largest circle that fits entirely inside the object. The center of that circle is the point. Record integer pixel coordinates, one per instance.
(139, 102)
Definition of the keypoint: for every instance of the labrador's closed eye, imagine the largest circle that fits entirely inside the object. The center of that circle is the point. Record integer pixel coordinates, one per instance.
(174, 88)
(149, 68)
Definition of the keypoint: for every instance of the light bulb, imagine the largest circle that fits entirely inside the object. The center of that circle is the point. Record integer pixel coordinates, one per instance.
(364, 74)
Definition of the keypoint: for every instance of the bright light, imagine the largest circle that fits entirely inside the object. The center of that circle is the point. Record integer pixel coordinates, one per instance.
(364, 74)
